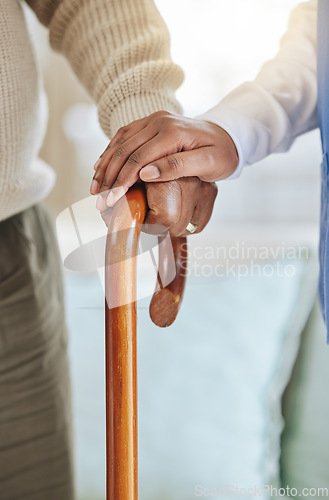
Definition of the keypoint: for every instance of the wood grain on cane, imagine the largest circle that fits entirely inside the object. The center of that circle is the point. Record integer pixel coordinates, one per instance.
(120, 326)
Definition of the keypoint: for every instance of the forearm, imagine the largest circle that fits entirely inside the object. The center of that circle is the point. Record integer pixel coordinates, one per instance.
(266, 115)
(119, 50)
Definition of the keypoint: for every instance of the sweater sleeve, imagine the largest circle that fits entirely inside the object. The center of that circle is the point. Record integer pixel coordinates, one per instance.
(119, 49)
(266, 115)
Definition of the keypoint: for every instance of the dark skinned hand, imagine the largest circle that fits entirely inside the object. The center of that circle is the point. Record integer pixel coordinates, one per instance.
(173, 204)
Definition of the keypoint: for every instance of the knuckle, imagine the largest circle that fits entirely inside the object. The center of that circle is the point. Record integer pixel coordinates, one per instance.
(167, 219)
(163, 119)
(173, 218)
(161, 113)
(121, 152)
(175, 163)
(134, 158)
(164, 202)
(119, 140)
(123, 130)
(164, 217)
(168, 122)
(169, 216)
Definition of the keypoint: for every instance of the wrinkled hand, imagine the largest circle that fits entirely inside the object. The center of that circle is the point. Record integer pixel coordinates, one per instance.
(163, 147)
(172, 205)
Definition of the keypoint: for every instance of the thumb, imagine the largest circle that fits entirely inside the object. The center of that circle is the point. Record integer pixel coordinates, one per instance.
(184, 164)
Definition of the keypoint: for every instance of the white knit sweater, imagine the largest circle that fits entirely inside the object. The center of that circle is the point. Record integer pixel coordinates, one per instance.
(119, 50)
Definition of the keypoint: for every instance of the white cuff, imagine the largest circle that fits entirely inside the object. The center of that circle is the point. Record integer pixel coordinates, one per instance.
(241, 128)
(218, 117)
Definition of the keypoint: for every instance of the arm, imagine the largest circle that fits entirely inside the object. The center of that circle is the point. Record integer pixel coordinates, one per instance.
(253, 121)
(119, 50)
(266, 115)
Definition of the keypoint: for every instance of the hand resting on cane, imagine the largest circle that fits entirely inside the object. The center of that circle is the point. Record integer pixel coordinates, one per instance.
(173, 205)
(163, 147)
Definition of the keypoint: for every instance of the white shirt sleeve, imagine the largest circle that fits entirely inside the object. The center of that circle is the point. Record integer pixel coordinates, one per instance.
(266, 115)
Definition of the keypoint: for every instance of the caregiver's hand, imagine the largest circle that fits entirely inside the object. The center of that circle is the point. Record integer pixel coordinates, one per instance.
(163, 147)
(172, 205)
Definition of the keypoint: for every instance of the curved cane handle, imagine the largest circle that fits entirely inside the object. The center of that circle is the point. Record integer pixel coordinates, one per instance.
(166, 300)
(120, 330)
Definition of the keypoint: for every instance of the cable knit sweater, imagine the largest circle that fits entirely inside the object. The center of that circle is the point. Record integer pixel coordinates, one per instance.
(119, 50)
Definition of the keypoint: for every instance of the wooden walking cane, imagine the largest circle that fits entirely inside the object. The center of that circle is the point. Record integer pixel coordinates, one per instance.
(120, 329)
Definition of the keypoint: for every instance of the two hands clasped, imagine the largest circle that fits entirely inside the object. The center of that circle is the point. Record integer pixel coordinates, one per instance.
(178, 158)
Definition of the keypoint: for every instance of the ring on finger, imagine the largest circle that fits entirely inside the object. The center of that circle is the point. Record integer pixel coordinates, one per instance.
(191, 228)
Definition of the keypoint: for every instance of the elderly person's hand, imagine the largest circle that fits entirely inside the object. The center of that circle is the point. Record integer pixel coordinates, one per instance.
(163, 147)
(173, 205)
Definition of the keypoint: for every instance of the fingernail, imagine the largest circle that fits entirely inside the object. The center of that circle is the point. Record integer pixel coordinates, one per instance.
(94, 186)
(110, 200)
(97, 163)
(100, 202)
(150, 172)
(115, 195)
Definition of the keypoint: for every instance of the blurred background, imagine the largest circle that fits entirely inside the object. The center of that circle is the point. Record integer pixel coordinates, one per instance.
(211, 404)
(219, 45)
